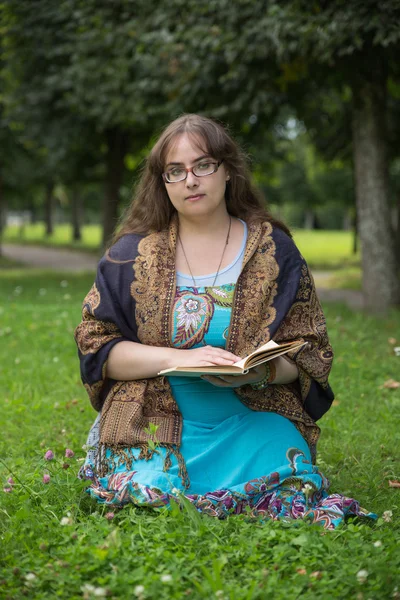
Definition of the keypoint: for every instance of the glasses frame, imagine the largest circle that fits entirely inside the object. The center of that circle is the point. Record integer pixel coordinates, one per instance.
(190, 170)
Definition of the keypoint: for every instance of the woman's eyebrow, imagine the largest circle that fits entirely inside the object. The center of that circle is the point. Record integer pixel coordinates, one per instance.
(195, 160)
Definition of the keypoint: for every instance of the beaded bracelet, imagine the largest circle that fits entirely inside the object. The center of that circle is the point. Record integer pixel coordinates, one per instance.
(267, 379)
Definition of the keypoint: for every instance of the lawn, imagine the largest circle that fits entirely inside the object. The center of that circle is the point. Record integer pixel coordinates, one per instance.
(327, 249)
(56, 543)
(62, 236)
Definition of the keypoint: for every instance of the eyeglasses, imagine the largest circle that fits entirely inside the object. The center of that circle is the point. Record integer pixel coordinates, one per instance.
(203, 168)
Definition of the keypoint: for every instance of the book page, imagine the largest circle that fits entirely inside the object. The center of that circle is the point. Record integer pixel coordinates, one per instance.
(268, 346)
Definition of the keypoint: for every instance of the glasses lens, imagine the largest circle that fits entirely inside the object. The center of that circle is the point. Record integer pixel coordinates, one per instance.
(204, 168)
(176, 174)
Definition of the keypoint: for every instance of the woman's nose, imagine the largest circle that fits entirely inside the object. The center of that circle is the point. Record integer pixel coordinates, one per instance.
(191, 179)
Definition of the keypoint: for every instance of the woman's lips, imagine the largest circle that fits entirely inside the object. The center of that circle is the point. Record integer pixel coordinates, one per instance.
(194, 198)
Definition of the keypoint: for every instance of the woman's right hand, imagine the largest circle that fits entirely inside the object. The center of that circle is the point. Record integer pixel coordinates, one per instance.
(206, 356)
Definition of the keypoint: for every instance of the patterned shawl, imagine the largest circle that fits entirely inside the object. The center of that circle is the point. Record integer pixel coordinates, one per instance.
(132, 299)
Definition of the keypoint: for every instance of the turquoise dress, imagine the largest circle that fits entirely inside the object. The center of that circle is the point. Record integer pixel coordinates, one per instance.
(238, 460)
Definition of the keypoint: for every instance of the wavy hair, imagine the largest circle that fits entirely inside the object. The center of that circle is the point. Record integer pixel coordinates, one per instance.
(151, 209)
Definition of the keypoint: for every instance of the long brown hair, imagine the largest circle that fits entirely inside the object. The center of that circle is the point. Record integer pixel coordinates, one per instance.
(151, 209)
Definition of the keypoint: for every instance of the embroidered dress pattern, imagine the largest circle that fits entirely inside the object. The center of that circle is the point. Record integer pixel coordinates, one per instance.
(194, 312)
(268, 497)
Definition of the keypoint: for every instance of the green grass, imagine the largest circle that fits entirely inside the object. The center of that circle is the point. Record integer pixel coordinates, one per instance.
(322, 249)
(348, 278)
(327, 249)
(62, 236)
(43, 406)
(7, 263)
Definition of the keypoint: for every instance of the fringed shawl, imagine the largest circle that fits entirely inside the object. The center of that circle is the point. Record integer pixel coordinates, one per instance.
(132, 299)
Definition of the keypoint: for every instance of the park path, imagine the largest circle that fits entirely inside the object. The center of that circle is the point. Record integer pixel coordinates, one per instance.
(73, 260)
(56, 259)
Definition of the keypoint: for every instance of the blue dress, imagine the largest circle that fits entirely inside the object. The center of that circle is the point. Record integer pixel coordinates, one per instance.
(238, 460)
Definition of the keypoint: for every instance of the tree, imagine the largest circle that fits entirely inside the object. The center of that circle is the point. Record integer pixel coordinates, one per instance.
(89, 67)
(18, 172)
(265, 52)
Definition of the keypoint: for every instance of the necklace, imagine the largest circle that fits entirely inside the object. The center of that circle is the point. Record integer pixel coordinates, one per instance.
(220, 262)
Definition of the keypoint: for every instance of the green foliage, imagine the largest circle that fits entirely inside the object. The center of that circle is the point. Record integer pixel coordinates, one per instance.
(56, 543)
(298, 180)
(74, 70)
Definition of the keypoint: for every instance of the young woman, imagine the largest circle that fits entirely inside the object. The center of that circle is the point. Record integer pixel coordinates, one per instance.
(201, 274)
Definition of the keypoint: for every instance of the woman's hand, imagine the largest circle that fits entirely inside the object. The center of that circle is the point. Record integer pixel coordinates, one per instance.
(285, 371)
(206, 356)
(234, 381)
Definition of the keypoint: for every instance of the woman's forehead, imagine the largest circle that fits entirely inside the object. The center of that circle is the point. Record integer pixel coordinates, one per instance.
(186, 147)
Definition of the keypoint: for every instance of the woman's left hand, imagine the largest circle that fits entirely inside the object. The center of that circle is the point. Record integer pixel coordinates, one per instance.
(234, 381)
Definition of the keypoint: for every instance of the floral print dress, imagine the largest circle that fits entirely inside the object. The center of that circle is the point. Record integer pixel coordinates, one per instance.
(238, 460)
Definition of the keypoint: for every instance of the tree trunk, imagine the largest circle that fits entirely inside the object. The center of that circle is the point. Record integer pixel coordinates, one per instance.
(355, 235)
(309, 219)
(76, 215)
(49, 208)
(398, 230)
(33, 218)
(2, 214)
(355, 226)
(116, 150)
(381, 285)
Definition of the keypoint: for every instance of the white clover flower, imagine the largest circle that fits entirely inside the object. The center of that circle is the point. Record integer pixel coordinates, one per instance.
(138, 590)
(308, 490)
(42, 292)
(64, 283)
(99, 592)
(387, 516)
(378, 544)
(362, 576)
(67, 297)
(166, 578)
(87, 587)
(219, 593)
(66, 521)
(30, 577)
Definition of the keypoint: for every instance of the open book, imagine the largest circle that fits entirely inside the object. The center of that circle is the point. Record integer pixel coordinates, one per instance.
(261, 355)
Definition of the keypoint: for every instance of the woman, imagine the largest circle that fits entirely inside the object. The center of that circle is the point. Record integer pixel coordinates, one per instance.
(201, 274)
